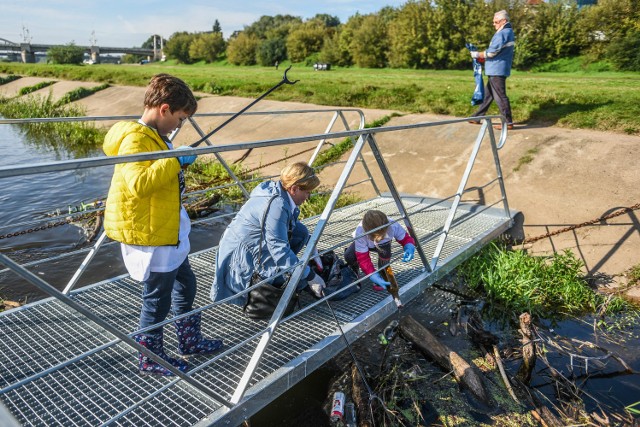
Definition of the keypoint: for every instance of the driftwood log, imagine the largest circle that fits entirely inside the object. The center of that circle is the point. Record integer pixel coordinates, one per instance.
(448, 359)
(528, 349)
(360, 398)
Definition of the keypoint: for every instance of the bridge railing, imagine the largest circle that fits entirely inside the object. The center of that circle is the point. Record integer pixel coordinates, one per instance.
(363, 137)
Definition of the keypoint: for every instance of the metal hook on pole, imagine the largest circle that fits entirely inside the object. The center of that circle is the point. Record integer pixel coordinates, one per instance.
(285, 80)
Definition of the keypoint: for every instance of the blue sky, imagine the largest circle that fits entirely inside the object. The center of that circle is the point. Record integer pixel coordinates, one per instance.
(120, 23)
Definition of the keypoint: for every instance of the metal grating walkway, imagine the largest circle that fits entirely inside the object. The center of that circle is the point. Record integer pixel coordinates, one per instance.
(101, 385)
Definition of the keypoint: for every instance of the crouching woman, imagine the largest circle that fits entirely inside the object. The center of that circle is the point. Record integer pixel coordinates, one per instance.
(266, 236)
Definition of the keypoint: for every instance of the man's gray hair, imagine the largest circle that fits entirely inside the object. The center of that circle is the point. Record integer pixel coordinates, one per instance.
(502, 14)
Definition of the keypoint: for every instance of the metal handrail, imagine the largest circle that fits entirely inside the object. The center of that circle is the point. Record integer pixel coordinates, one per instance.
(364, 136)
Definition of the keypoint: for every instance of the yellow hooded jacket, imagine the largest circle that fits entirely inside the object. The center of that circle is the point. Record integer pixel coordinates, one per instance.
(143, 205)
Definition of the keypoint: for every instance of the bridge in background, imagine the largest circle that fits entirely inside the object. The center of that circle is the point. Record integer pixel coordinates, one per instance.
(28, 50)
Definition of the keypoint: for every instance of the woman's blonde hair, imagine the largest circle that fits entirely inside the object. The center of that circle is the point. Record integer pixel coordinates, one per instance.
(373, 219)
(300, 174)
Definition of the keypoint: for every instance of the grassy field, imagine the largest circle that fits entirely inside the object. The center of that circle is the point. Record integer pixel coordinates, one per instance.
(608, 101)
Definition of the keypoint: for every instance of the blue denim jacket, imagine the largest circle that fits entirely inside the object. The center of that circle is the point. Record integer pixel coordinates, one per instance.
(239, 250)
(502, 46)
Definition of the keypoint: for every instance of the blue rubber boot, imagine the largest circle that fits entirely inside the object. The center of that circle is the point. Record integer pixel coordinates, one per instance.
(190, 339)
(154, 343)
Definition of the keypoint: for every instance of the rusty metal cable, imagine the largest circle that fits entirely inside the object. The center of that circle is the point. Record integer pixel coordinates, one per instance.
(619, 212)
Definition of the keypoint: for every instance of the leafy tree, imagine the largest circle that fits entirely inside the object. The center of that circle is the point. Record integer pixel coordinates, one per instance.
(328, 21)
(216, 27)
(273, 26)
(625, 52)
(67, 54)
(160, 42)
(549, 33)
(271, 51)
(330, 52)
(609, 21)
(368, 46)
(305, 40)
(207, 47)
(408, 42)
(178, 47)
(242, 49)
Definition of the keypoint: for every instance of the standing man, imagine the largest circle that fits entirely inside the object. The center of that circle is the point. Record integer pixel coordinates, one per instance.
(498, 59)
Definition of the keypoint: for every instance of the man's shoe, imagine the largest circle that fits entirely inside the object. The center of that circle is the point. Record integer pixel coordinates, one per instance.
(475, 122)
(499, 127)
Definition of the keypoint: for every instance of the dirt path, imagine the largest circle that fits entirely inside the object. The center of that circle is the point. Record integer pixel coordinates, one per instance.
(557, 177)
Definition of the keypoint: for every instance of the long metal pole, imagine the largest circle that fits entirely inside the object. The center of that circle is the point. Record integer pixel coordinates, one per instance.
(396, 197)
(285, 80)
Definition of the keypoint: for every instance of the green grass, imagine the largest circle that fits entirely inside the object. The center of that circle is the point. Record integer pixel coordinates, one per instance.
(545, 287)
(606, 101)
(79, 93)
(527, 158)
(8, 79)
(29, 89)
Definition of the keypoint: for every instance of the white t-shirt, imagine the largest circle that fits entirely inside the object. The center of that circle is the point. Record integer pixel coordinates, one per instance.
(142, 260)
(364, 243)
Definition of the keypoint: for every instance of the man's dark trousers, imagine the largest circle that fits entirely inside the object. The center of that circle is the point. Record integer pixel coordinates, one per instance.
(496, 89)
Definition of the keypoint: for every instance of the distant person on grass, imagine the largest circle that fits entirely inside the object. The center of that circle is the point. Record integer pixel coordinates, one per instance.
(144, 213)
(498, 59)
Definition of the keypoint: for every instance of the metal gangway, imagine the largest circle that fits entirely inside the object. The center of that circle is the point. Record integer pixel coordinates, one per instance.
(70, 359)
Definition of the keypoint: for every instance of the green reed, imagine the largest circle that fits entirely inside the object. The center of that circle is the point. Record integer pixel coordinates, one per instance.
(546, 287)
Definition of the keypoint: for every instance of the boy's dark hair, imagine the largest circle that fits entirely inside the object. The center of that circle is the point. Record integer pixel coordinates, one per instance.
(166, 89)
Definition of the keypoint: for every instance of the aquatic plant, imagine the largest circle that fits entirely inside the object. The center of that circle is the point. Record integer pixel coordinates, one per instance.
(77, 138)
(546, 287)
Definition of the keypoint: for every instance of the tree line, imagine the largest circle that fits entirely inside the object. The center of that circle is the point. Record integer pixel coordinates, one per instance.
(425, 34)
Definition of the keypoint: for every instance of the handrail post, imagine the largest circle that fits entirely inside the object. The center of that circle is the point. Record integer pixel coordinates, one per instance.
(85, 263)
(297, 273)
(321, 143)
(396, 197)
(496, 159)
(364, 163)
(458, 196)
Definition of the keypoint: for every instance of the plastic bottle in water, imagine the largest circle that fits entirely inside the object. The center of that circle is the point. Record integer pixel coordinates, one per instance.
(350, 415)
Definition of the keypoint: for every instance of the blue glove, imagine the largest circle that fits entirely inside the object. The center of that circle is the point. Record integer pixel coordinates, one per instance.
(186, 160)
(409, 251)
(378, 280)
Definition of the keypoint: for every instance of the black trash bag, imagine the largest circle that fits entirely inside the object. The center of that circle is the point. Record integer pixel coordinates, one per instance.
(337, 275)
(262, 301)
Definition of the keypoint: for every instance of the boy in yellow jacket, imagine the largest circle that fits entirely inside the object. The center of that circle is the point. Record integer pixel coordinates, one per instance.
(145, 214)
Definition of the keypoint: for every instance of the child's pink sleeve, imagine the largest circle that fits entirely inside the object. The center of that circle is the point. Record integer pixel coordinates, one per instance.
(364, 261)
(407, 239)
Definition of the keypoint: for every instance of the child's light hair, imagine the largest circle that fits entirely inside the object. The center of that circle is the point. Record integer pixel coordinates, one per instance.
(300, 174)
(373, 219)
